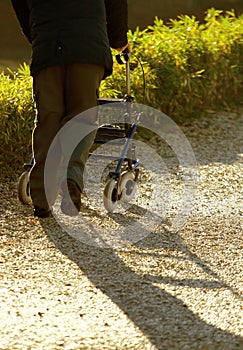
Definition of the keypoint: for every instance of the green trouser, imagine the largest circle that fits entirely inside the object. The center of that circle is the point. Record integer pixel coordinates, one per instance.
(61, 93)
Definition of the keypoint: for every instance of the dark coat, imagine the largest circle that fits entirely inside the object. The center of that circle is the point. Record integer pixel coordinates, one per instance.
(72, 31)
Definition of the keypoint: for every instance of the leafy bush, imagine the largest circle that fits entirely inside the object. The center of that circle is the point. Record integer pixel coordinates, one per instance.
(189, 67)
(16, 117)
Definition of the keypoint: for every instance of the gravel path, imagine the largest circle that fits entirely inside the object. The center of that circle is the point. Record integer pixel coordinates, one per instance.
(169, 291)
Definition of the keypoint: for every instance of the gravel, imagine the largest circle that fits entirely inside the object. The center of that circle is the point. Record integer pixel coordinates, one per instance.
(171, 290)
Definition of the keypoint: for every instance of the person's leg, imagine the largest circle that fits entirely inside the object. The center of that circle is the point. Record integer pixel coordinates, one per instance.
(81, 90)
(49, 99)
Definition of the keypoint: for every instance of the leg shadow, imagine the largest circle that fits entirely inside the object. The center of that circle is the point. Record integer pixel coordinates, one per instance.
(157, 313)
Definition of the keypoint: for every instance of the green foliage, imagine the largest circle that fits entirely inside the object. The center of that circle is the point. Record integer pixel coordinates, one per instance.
(16, 117)
(189, 68)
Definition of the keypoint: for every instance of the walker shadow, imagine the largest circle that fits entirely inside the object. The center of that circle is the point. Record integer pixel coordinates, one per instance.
(150, 308)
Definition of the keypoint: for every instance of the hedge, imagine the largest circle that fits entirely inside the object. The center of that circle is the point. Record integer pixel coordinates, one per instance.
(189, 67)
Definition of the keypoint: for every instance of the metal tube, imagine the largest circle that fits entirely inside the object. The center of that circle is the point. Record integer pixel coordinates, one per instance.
(128, 78)
(126, 147)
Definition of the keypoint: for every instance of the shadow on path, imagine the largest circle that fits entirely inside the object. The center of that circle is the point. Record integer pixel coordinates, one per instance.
(164, 319)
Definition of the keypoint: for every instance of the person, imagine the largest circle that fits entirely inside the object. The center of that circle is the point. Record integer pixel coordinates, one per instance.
(71, 54)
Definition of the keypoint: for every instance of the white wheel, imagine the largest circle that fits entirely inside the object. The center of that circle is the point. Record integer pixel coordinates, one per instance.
(128, 186)
(24, 188)
(110, 195)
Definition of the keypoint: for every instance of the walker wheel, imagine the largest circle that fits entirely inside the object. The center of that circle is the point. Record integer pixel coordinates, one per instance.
(24, 188)
(110, 195)
(128, 186)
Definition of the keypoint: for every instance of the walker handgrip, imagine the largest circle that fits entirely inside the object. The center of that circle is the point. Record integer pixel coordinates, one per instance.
(125, 55)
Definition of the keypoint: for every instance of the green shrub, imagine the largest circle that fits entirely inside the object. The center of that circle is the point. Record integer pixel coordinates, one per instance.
(189, 67)
(16, 117)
